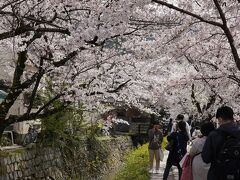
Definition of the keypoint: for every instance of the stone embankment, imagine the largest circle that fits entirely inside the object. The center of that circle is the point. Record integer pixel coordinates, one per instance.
(48, 163)
(31, 164)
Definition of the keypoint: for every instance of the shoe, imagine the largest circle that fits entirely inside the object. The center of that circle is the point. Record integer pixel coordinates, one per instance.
(151, 171)
(157, 171)
(154, 171)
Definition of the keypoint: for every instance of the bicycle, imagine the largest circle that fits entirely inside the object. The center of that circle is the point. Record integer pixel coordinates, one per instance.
(31, 136)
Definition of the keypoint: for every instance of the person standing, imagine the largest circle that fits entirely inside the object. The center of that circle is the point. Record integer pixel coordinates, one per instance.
(155, 141)
(199, 168)
(222, 147)
(179, 148)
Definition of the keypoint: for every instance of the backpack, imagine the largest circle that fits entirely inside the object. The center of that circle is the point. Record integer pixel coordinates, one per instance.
(228, 158)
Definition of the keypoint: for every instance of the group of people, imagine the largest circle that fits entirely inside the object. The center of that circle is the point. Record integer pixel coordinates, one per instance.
(214, 154)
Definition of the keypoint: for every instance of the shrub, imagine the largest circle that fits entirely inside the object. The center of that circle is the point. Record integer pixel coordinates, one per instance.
(164, 142)
(136, 165)
(68, 131)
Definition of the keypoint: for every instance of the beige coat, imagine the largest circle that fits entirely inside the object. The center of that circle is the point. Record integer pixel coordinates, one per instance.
(199, 168)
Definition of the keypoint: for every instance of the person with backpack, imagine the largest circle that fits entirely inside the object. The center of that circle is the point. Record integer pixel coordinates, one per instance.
(222, 147)
(199, 168)
(155, 141)
(178, 148)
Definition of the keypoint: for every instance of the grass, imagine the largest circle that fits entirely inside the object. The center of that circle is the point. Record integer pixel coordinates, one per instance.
(6, 153)
(135, 166)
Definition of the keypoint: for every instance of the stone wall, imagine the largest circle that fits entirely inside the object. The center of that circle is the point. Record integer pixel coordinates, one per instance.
(47, 163)
(119, 148)
(31, 164)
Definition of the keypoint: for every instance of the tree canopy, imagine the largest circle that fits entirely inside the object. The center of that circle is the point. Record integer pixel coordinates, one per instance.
(177, 54)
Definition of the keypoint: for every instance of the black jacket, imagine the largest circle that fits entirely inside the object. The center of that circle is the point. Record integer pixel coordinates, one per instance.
(213, 144)
(180, 140)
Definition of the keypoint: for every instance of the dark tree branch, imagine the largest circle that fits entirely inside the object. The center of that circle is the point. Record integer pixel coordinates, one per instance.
(153, 23)
(45, 106)
(31, 18)
(222, 15)
(14, 93)
(95, 39)
(27, 28)
(35, 36)
(16, 88)
(26, 84)
(234, 78)
(203, 78)
(20, 66)
(9, 4)
(4, 85)
(194, 101)
(62, 62)
(210, 64)
(187, 12)
(228, 34)
(26, 117)
(223, 26)
(34, 92)
(117, 89)
(211, 101)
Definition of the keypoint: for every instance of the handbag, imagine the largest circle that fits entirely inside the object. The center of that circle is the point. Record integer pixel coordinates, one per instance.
(161, 154)
(187, 168)
(183, 160)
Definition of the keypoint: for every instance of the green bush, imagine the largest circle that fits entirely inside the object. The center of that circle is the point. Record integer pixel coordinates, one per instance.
(68, 131)
(136, 165)
(164, 142)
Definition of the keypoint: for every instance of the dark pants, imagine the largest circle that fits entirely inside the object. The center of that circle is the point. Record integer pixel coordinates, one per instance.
(167, 169)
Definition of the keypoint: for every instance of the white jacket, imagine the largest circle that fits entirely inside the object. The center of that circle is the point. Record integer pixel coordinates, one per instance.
(199, 168)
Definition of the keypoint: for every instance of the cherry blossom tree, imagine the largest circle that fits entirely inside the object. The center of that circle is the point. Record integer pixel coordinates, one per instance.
(191, 65)
(72, 43)
(177, 54)
(200, 52)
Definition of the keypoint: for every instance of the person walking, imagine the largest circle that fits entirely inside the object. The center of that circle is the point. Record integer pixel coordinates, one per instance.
(180, 118)
(179, 141)
(222, 147)
(199, 168)
(155, 141)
